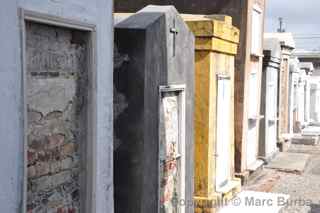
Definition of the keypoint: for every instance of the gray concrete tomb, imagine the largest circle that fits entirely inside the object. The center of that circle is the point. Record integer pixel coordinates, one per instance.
(153, 114)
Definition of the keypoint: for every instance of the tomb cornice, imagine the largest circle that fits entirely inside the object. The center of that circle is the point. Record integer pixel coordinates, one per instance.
(216, 45)
(218, 26)
(273, 64)
(213, 33)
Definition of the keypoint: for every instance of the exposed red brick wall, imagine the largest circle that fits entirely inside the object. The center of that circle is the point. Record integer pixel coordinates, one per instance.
(56, 100)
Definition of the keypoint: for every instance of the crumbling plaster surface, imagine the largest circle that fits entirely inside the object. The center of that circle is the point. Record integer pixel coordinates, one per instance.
(98, 12)
(57, 85)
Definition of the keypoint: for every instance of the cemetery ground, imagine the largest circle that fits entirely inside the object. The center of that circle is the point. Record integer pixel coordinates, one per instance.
(303, 186)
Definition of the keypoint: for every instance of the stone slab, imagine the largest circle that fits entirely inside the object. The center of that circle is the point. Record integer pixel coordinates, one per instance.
(255, 166)
(289, 162)
(270, 157)
(253, 202)
(232, 185)
(305, 140)
(312, 150)
(311, 130)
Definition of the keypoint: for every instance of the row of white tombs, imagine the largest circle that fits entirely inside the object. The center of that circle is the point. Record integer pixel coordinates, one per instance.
(191, 122)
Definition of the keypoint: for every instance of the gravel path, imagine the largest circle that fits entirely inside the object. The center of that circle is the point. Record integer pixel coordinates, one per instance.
(304, 189)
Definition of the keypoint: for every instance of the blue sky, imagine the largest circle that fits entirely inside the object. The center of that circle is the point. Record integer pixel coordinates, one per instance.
(300, 17)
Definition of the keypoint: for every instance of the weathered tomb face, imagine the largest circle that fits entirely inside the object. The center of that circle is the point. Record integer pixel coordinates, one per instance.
(152, 128)
(57, 106)
(171, 158)
(271, 110)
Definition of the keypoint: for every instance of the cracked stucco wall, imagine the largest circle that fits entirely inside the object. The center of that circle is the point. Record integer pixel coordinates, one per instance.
(57, 82)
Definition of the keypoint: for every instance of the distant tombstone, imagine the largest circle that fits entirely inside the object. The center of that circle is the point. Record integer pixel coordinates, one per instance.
(301, 101)
(153, 123)
(269, 94)
(295, 73)
(309, 100)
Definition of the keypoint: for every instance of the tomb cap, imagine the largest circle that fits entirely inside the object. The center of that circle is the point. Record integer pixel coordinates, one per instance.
(213, 33)
(294, 65)
(286, 39)
(136, 21)
(119, 17)
(145, 17)
(272, 49)
(219, 26)
(307, 66)
(307, 54)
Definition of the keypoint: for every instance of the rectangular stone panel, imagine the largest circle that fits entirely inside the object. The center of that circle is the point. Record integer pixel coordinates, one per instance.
(223, 152)
(170, 152)
(57, 85)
